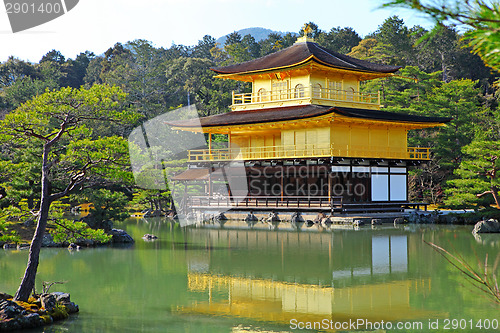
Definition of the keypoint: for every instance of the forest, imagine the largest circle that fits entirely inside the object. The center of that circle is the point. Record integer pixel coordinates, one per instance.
(137, 81)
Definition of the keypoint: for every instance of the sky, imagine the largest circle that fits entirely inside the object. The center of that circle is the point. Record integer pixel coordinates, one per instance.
(96, 25)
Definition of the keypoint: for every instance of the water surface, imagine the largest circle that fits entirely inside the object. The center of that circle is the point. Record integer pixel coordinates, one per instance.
(241, 280)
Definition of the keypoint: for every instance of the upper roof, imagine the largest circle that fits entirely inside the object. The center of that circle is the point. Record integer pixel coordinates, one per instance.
(301, 112)
(300, 53)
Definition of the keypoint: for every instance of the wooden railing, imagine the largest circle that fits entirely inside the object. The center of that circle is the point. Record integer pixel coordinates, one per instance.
(305, 203)
(308, 151)
(264, 202)
(306, 93)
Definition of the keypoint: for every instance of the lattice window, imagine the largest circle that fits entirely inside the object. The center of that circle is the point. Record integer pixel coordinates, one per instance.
(262, 95)
(317, 90)
(335, 89)
(280, 89)
(299, 91)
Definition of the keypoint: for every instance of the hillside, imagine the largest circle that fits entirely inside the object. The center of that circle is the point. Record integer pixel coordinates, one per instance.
(257, 33)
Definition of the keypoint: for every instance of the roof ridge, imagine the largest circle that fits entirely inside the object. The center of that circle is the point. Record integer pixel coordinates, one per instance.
(329, 52)
(253, 60)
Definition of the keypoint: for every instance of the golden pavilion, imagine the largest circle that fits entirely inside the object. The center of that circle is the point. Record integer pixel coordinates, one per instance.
(308, 137)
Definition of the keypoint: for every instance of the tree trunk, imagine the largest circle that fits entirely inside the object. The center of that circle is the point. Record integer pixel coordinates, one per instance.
(444, 68)
(494, 191)
(159, 205)
(28, 281)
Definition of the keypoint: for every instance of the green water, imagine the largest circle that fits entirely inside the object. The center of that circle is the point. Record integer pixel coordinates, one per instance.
(241, 280)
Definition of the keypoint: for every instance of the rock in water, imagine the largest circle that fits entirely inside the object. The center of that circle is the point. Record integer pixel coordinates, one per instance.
(273, 220)
(73, 246)
(273, 217)
(4, 296)
(48, 241)
(48, 301)
(297, 220)
(326, 222)
(64, 299)
(149, 237)
(358, 223)
(319, 217)
(14, 317)
(489, 226)
(220, 217)
(120, 236)
(251, 219)
(399, 220)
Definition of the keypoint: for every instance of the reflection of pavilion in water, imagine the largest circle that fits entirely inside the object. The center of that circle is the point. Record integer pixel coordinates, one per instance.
(308, 277)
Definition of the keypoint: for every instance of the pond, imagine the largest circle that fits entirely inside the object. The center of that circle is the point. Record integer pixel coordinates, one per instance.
(240, 280)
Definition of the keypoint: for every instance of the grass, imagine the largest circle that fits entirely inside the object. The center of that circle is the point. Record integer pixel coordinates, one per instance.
(483, 278)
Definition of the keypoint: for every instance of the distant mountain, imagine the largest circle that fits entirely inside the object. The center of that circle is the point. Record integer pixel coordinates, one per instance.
(257, 33)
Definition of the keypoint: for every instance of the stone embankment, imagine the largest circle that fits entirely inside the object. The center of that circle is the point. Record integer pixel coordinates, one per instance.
(118, 236)
(486, 227)
(38, 311)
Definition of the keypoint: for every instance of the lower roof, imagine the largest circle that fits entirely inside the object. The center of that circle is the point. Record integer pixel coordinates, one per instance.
(301, 112)
(193, 174)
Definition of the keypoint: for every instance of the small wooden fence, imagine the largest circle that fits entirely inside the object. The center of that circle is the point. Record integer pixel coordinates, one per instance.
(296, 203)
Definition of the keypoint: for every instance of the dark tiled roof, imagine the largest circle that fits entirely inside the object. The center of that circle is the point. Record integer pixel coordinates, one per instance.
(257, 116)
(388, 116)
(301, 51)
(300, 112)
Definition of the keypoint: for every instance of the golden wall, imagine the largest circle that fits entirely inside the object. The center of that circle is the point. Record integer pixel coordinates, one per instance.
(350, 140)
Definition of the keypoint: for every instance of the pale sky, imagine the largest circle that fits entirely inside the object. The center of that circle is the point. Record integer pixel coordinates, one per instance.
(96, 25)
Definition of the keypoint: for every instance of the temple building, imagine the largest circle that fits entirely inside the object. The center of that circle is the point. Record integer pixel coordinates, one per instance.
(308, 137)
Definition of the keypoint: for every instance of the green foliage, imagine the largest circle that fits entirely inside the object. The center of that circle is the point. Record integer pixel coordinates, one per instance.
(43, 115)
(69, 231)
(64, 125)
(484, 39)
(108, 205)
(365, 49)
(481, 17)
(394, 42)
(477, 182)
(420, 93)
(192, 75)
(12, 237)
(340, 40)
(151, 199)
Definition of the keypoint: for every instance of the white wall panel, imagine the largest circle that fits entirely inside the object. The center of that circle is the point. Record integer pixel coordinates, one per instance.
(380, 187)
(398, 187)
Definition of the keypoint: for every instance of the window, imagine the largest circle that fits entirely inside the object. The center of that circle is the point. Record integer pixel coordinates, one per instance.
(262, 95)
(317, 90)
(349, 94)
(299, 91)
(280, 90)
(335, 89)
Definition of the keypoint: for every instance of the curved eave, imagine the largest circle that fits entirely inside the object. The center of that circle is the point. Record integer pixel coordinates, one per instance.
(261, 71)
(394, 123)
(241, 75)
(325, 118)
